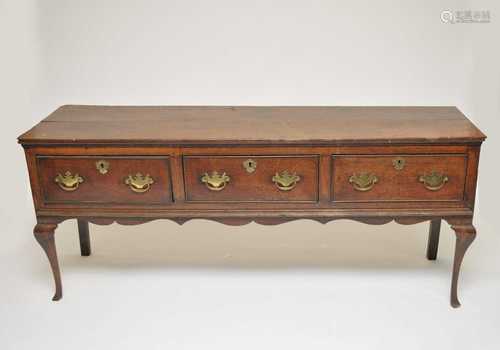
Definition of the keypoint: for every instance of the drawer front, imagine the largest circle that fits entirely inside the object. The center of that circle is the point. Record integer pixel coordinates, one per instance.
(399, 178)
(105, 180)
(251, 178)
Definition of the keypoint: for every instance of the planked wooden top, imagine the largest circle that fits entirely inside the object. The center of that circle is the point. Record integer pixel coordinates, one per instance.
(75, 124)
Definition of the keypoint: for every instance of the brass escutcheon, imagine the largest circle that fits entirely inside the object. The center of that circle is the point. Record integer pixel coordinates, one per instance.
(399, 163)
(102, 166)
(250, 165)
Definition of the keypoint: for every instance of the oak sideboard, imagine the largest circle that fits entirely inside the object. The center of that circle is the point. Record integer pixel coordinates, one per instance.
(235, 165)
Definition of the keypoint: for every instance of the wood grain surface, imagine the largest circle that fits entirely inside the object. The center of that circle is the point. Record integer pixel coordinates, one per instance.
(109, 188)
(399, 185)
(252, 187)
(253, 125)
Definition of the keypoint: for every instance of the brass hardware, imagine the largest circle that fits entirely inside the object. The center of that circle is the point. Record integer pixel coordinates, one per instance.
(250, 165)
(68, 182)
(363, 182)
(433, 181)
(139, 183)
(102, 166)
(399, 163)
(286, 181)
(215, 181)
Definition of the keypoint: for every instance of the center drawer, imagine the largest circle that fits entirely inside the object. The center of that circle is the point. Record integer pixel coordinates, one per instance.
(251, 178)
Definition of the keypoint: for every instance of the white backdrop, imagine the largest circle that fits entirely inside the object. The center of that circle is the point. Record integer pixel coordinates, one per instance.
(233, 52)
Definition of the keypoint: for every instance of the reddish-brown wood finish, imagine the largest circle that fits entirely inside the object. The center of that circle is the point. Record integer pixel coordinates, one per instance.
(253, 125)
(44, 234)
(251, 187)
(323, 145)
(466, 233)
(404, 184)
(109, 188)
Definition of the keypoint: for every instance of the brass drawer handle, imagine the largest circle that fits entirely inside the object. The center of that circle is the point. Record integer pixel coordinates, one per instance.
(286, 181)
(139, 183)
(68, 182)
(433, 181)
(215, 181)
(363, 182)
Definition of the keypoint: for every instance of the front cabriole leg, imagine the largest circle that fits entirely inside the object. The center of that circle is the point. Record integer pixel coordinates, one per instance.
(44, 234)
(465, 233)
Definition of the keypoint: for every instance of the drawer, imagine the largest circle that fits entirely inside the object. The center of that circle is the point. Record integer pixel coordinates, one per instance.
(399, 178)
(251, 178)
(124, 180)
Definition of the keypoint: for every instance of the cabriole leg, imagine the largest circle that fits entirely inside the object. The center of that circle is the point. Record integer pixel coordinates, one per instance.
(465, 236)
(44, 234)
(83, 232)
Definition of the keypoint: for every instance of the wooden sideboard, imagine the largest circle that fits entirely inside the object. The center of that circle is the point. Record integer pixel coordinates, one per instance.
(235, 165)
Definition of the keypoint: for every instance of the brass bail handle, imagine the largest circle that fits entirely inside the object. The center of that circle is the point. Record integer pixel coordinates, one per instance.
(139, 183)
(215, 181)
(433, 181)
(363, 182)
(68, 182)
(285, 181)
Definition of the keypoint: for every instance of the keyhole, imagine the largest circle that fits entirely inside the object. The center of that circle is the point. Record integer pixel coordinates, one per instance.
(102, 166)
(250, 165)
(398, 163)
